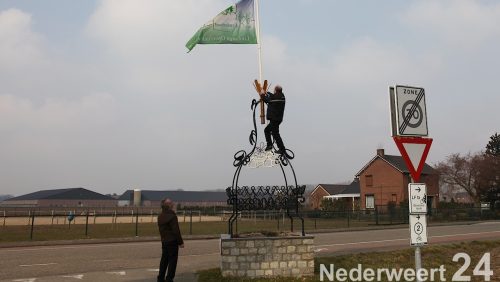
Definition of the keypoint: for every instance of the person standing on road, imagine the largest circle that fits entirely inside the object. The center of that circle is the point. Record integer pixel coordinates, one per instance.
(171, 240)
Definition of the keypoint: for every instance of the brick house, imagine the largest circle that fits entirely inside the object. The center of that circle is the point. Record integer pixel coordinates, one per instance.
(350, 192)
(385, 178)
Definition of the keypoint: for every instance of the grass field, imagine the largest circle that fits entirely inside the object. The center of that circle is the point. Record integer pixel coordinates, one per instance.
(125, 227)
(432, 257)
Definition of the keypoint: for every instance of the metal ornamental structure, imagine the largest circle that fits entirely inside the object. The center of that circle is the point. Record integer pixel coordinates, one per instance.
(252, 198)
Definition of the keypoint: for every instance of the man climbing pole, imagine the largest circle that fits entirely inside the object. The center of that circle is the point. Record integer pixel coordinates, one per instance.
(275, 109)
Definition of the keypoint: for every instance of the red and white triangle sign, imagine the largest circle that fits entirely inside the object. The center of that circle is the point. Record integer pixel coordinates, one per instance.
(414, 151)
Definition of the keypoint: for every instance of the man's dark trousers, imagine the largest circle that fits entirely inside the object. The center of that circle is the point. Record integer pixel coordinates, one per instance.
(273, 128)
(169, 255)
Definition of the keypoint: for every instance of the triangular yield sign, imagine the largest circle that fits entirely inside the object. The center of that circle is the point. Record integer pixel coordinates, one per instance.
(414, 151)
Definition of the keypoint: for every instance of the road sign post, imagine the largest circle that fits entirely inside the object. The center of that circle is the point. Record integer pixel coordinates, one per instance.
(409, 127)
(417, 194)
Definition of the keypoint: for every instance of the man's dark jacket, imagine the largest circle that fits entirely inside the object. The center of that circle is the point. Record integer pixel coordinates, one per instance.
(275, 106)
(169, 227)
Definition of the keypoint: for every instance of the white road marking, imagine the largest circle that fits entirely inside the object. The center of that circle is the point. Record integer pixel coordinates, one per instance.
(38, 264)
(25, 280)
(121, 273)
(79, 276)
(156, 243)
(488, 223)
(154, 270)
(116, 244)
(366, 242)
(473, 233)
(79, 246)
(319, 250)
(405, 239)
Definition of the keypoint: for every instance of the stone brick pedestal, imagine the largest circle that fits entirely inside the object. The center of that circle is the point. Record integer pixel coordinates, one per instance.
(267, 256)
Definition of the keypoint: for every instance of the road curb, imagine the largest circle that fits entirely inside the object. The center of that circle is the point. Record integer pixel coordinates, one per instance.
(98, 241)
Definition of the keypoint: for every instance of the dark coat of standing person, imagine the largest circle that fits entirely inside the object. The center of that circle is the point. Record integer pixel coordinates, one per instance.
(171, 240)
(275, 110)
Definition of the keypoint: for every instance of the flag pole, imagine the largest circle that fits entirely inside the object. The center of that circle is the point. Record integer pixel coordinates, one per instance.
(260, 84)
(257, 23)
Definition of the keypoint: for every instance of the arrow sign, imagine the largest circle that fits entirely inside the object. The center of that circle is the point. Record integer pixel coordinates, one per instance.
(418, 230)
(414, 151)
(417, 197)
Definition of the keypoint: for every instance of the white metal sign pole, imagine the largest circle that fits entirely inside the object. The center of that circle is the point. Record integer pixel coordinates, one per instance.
(418, 262)
(418, 229)
(409, 119)
(418, 253)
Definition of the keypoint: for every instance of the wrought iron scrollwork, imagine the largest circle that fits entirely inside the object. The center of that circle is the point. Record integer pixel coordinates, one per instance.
(256, 198)
(287, 198)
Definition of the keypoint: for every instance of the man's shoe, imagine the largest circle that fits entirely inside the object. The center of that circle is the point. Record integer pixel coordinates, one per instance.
(284, 153)
(269, 147)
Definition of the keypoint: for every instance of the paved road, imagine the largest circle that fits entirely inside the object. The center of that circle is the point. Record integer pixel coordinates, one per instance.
(139, 261)
(388, 239)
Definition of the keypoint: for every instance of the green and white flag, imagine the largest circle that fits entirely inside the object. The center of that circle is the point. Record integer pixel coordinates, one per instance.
(234, 25)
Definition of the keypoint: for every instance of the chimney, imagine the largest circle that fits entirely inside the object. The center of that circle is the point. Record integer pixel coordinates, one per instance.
(380, 152)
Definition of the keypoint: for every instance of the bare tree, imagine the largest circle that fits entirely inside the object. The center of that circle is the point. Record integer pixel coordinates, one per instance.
(478, 174)
(461, 172)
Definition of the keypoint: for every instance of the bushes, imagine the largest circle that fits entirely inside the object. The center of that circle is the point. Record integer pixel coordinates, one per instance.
(335, 204)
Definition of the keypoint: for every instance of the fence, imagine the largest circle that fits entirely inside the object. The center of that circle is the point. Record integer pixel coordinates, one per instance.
(79, 223)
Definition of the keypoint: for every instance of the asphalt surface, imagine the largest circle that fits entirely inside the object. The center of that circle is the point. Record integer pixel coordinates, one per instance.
(138, 261)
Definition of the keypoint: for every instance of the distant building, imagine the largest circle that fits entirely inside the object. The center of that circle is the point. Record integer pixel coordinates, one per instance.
(70, 197)
(350, 192)
(463, 198)
(5, 197)
(385, 179)
(153, 198)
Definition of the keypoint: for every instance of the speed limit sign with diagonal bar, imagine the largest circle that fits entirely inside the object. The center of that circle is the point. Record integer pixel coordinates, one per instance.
(409, 111)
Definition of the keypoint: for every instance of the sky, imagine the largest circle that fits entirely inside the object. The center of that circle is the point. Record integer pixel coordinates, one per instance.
(103, 94)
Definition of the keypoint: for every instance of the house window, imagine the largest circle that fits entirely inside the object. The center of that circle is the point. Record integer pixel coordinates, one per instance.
(370, 201)
(394, 198)
(369, 180)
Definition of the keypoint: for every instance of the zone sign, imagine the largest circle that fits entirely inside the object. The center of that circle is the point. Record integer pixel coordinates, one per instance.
(410, 111)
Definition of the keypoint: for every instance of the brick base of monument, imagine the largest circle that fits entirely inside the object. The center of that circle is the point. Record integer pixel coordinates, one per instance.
(267, 256)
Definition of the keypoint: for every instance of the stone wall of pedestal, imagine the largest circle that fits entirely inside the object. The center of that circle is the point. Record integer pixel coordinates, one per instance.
(267, 256)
